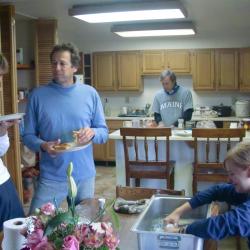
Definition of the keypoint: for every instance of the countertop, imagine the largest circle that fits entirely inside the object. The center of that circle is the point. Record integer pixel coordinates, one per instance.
(177, 135)
(194, 118)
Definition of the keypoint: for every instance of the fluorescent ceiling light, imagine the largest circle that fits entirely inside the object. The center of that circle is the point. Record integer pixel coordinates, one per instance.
(154, 29)
(130, 11)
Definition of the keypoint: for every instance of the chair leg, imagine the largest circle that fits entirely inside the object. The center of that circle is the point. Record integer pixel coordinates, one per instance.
(137, 182)
(127, 181)
(172, 180)
(194, 184)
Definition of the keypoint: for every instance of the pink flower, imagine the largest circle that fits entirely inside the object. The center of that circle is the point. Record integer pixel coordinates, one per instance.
(35, 238)
(93, 239)
(44, 245)
(38, 223)
(111, 241)
(107, 227)
(70, 243)
(48, 209)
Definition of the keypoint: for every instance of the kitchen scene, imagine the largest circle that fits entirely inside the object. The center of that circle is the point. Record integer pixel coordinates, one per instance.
(151, 151)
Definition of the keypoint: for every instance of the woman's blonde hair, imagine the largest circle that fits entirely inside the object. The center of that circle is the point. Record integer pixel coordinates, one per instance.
(239, 155)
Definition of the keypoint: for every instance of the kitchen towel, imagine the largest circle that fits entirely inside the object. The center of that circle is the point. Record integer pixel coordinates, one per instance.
(13, 239)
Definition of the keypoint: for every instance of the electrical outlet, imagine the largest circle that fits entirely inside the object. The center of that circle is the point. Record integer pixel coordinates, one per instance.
(126, 99)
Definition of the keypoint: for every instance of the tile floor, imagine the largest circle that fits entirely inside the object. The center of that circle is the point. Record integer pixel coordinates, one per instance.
(105, 187)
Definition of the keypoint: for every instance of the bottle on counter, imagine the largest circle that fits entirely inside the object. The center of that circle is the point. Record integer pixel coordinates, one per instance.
(181, 123)
(107, 109)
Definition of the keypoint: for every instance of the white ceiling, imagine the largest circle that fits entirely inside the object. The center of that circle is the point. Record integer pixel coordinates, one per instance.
(215, 20)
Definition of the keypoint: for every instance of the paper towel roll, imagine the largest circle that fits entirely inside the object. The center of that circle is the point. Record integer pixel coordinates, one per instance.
(12, 238)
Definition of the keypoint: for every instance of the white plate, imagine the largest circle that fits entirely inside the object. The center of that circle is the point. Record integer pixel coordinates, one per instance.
(74, 147)
(12, 117)
(183, 132)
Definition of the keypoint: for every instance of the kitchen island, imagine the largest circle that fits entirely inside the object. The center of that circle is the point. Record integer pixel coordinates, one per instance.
(181, 151)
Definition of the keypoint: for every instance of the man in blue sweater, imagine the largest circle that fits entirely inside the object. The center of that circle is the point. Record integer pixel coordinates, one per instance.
(234, 222)
(53, 112)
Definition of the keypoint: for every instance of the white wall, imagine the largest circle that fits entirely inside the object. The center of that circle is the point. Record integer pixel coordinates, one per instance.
(152, 85)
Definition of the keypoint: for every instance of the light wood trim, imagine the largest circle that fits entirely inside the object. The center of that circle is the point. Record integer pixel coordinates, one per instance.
(8, 41)
(45, 39)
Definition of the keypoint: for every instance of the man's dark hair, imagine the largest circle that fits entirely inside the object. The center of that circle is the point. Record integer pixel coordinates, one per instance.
(4, 66)
(71, 48)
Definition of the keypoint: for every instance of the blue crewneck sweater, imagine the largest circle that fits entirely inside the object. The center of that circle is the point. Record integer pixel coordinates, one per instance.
(52, 113)
(234, 222)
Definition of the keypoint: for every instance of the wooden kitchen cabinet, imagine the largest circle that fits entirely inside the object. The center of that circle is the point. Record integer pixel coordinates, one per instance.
(226, 69)
(128, 70)
(178, 60)
(153, 61)
(106, 152)
(244, 69)
(116, 71)
(104, 71)
(203, 69)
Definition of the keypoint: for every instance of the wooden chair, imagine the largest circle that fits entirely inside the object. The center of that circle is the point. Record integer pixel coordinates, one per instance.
(207, 170)
(146, 168)
(137, 193)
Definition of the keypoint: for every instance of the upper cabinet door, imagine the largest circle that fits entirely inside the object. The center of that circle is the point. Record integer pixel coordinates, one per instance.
(203, 69)
(226, 69)
(128, 71)
(178, 60)
(245, 69)
(153, 61)
(104, 71)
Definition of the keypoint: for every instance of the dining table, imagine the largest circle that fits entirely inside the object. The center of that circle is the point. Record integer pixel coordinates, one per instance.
(128, 239)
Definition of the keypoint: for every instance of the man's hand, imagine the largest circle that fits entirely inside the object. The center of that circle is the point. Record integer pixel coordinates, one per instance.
(49, 147)
(84, 135)
(5, 125)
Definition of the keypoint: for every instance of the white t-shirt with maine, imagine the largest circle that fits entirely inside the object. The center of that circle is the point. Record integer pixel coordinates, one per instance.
(172, 107)
(4, 145)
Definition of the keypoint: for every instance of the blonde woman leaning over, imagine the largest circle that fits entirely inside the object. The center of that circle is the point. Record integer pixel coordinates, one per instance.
(236, 221)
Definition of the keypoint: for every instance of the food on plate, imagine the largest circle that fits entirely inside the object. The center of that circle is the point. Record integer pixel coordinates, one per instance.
(62, 146)
(75, 136)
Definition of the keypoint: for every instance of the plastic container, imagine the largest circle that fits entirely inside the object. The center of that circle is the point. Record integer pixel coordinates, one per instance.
(242, 108)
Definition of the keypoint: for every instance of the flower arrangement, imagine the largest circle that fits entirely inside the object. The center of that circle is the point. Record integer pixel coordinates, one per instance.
(52, 228)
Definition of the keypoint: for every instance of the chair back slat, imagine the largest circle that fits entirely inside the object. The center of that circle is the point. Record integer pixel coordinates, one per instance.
(144, 163)
(136, 148)
(156, 149)
(207, 150)
(136, 193)
(218, 150)
(146, 147)
(207, 170)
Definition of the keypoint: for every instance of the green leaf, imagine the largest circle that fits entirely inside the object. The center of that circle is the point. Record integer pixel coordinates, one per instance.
(115, 219)
(57, 220)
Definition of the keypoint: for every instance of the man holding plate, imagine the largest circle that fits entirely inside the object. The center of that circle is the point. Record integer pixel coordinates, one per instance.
(54, 112)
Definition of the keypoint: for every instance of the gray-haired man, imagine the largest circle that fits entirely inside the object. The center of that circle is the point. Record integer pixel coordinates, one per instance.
(173, 102)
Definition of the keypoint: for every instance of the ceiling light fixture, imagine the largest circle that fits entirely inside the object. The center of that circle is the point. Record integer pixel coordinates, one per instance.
(130, 11)
(154, 29)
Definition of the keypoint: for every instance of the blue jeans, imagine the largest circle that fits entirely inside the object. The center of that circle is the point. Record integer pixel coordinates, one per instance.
(49, 191)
